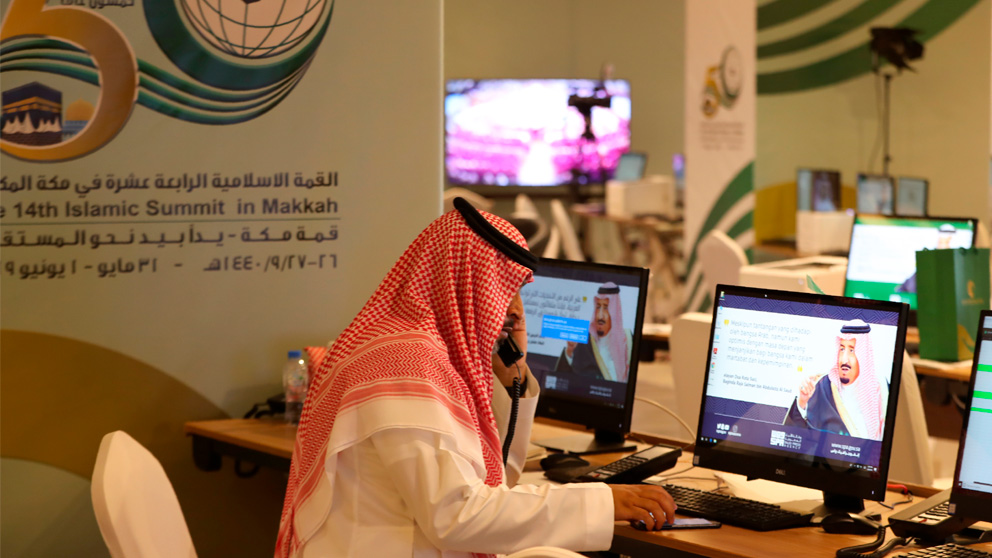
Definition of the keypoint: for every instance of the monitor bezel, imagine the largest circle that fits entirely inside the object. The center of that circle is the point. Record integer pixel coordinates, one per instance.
(926, 195)
(573, 187)
(892, 192)
(554, 405)
(970, 504)
(813, 170)
(974, 238)
(803, 470)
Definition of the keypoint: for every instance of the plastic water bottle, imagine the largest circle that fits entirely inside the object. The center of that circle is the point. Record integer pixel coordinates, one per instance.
(294, 383)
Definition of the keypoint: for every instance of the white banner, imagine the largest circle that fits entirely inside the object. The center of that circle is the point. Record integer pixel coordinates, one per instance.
(186, 196)
(719, 128)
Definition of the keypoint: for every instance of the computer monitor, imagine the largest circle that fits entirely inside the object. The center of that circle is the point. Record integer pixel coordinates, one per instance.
(801, 388)
(817, 190)
(875, 194)
(971, 493)
(678, 171)
(631, 166)
(911, 196)
(881, 263)
(534, 132)
(583, 335)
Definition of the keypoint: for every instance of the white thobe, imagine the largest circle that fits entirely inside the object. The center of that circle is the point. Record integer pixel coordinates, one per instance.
(411, 492)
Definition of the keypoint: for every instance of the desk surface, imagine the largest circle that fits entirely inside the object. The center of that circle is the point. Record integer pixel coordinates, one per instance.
(272, 437)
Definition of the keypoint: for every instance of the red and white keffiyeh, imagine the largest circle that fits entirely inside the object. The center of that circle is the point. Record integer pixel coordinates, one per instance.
(424, 339)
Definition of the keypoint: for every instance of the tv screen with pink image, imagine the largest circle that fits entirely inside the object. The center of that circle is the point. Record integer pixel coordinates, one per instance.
(535, 132)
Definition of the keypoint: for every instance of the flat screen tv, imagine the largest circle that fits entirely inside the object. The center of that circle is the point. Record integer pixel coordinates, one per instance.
(534, 132)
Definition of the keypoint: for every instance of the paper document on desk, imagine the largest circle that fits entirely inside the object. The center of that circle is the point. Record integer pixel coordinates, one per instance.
(535, 451)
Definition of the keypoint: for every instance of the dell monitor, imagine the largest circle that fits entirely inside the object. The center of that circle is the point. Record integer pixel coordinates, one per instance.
(971, 493)
(583, 334)
(911, 196)
(534, 132)
(876, 194)
(881, 263)
(817, 190)
(801, 388)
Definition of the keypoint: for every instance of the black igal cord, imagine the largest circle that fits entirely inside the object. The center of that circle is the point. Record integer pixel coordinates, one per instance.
(514, 409)
(874, 549)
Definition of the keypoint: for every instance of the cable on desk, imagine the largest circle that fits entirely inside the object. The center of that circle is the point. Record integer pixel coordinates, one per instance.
(874, 549)
(692, 433)
(901, 488)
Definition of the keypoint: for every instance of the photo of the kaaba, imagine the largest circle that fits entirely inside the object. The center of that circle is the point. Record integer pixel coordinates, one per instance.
(32, 115)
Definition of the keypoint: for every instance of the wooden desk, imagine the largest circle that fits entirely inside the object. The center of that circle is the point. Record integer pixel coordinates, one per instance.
(270, 442)
(263, 441)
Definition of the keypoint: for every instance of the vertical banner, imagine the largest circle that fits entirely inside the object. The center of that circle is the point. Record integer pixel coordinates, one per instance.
(190, 189)
(719, 129)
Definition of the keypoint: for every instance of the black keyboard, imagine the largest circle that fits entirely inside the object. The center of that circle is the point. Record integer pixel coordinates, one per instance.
(948, 551)
(740, 512)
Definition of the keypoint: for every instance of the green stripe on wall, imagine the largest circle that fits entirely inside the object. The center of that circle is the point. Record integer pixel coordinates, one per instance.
(931, 19)
(981, 410)
(740, 186)
(781, 11)
(983, 395)
(985, 367)
(853, 19)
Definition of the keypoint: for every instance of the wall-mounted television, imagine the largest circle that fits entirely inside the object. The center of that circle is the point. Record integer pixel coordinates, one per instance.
(534, 132)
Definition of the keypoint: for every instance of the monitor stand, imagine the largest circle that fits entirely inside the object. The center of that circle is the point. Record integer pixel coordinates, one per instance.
(831, 503)
(603, 441)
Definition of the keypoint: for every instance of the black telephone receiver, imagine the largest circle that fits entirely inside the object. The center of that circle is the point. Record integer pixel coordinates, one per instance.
(509, 352)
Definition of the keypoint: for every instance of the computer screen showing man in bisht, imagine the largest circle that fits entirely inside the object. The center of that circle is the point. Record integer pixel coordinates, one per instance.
(801, 389)
(583, 329)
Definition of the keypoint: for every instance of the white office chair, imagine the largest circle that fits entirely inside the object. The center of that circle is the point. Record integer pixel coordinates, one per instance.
(911, 458)
(689, 344)
(721, 259)
(525, 208)
(477, 201)
(545, 552)
(566, 233)
(135, 505)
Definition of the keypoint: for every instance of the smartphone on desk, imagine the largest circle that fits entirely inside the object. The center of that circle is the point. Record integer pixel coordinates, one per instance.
(682, 523)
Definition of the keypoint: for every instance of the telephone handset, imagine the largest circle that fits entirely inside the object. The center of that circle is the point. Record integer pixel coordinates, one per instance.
(509, 352)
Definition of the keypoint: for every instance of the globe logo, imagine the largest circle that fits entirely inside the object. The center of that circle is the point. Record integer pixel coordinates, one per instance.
(253, 28)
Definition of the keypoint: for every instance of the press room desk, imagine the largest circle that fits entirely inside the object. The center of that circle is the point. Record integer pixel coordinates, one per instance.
(263, 441)
(270, 442)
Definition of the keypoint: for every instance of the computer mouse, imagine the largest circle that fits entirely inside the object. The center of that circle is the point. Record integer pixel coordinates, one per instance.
(849, 524)
(562, 460)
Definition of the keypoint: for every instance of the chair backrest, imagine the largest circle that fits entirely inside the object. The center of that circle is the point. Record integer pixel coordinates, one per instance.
(566, 230)
(545, 552)
(911, 458)
(525, 208)
(477, 201)
(721, 258)
(689, 344)
(135, 505)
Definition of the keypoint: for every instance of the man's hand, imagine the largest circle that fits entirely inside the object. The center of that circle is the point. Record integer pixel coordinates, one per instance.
(806, 390)
(642, 502)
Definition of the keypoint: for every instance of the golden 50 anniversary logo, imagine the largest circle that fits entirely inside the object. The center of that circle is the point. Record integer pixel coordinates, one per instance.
(240, 58)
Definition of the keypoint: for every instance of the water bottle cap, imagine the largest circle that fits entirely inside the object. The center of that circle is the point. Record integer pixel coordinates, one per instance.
(295, 354)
